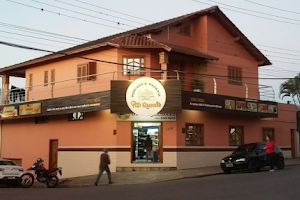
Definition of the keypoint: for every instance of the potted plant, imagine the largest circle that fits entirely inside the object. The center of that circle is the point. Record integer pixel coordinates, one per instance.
(197, 85)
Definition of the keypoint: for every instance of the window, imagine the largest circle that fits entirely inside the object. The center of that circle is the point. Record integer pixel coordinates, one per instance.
(30, 81)
(186, 30)
(236, 135)
(45, 78)
(87, 69)
(133, 65)
(268, 131)
(41, 120)
(235, 75)
(75, 116)
(52, 76)
(194, 135)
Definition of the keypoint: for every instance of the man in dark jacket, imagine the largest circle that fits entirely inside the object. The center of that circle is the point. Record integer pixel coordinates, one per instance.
(104, 162)
(148, 147)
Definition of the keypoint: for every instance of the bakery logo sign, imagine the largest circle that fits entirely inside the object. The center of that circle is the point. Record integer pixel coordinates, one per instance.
(146, 96)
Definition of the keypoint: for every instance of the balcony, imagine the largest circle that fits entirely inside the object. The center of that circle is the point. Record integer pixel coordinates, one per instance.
(57, 97)
(189, 82)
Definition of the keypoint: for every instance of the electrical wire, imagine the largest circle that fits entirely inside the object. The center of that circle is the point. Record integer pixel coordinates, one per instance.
(250, 14)
(254, 11)
(99, 12)
(112, 10)
(273, 7)
(115, 63)
(80, 13)
(61, 14)
(37, 37)
(1, 36)
(40, 31)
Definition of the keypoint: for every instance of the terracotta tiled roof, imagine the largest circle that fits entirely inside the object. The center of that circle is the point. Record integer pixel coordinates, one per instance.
(156, 27)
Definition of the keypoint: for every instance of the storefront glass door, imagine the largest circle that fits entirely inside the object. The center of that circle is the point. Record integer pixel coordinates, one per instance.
(146, 142)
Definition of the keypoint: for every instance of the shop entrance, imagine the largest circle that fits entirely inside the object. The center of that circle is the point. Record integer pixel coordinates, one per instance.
(146, 142)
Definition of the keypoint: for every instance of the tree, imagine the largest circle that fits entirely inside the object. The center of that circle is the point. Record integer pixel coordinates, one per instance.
(291, 88)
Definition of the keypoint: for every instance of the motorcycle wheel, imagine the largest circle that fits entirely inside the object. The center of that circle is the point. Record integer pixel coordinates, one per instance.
(26, 180)
(52, 181)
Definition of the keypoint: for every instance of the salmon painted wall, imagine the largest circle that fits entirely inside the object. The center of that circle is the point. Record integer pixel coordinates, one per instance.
(283, 125)
(230, 53)
(216, 127)
(197, 38)
(27, 140)
(67, 69)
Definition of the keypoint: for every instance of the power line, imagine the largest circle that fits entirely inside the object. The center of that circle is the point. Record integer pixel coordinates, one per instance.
(108, 62)
(277, 48)
(42, 34)
(250, 14)
(52, 12)
(99, 12)
(273, 7)
(118, 23)
(1, 36)
(112, 10)
(41, 31)
(37, 37)
(254, 11)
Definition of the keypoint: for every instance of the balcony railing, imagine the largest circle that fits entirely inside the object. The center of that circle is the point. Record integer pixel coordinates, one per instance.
(189, 81)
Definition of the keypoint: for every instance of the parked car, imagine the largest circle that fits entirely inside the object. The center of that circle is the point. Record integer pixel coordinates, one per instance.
(9, 171)
(251, 157)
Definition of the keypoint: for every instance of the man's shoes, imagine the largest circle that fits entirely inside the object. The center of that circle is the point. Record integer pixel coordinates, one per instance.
(95, 184)
(110, 182)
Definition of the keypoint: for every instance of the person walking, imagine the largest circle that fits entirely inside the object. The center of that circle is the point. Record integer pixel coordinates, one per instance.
(104, 162)
(148, 147)
(270, 150)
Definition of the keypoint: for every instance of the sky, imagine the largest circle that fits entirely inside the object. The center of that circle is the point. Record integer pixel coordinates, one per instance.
(273, 26)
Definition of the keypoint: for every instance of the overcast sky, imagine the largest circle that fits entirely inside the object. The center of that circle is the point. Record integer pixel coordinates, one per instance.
(277, 35)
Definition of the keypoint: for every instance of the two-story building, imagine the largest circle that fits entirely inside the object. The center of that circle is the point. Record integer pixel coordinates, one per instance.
(204, 88)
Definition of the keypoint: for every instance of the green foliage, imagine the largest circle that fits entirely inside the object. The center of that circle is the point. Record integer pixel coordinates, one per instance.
(291, 88)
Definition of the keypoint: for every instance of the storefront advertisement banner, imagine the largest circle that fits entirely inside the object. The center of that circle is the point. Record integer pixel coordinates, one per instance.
(134, 117)
(30, 109)
(145, 96)
(227, 104)
(77, 103)
(9, 111)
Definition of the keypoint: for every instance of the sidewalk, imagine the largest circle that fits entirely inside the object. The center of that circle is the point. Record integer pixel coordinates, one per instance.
(141, 177)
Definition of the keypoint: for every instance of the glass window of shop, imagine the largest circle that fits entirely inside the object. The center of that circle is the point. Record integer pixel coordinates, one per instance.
(194, 135)
(268, 131)
(236, 135)
(146, 143)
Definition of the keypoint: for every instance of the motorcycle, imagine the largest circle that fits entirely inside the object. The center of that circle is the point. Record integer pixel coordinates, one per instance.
(41, 174)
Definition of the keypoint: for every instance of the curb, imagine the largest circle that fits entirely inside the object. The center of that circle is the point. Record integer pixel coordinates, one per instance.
(158, 181)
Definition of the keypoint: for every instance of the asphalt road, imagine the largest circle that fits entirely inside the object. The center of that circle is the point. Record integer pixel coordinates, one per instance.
(278, 185)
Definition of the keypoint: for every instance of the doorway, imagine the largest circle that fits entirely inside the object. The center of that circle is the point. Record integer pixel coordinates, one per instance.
(146, 143)
(53, 153)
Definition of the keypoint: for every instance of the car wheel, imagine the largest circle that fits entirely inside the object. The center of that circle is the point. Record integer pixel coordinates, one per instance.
(280, 163)
(227, 171)
(252, 166)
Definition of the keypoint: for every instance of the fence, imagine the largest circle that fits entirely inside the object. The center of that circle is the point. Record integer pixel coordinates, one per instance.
(101, 82)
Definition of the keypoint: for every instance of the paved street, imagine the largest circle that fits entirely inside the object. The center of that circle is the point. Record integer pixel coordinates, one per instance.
(259, 186)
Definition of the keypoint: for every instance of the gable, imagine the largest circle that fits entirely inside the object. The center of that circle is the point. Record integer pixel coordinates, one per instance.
(221, 41)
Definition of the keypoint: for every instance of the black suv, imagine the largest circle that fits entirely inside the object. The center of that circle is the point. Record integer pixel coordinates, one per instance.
(251, 157)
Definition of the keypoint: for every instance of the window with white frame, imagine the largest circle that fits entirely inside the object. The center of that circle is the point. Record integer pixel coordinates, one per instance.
(133, 65)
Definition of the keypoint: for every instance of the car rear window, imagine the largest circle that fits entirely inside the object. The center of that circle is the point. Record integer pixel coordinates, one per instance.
(6, 162)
